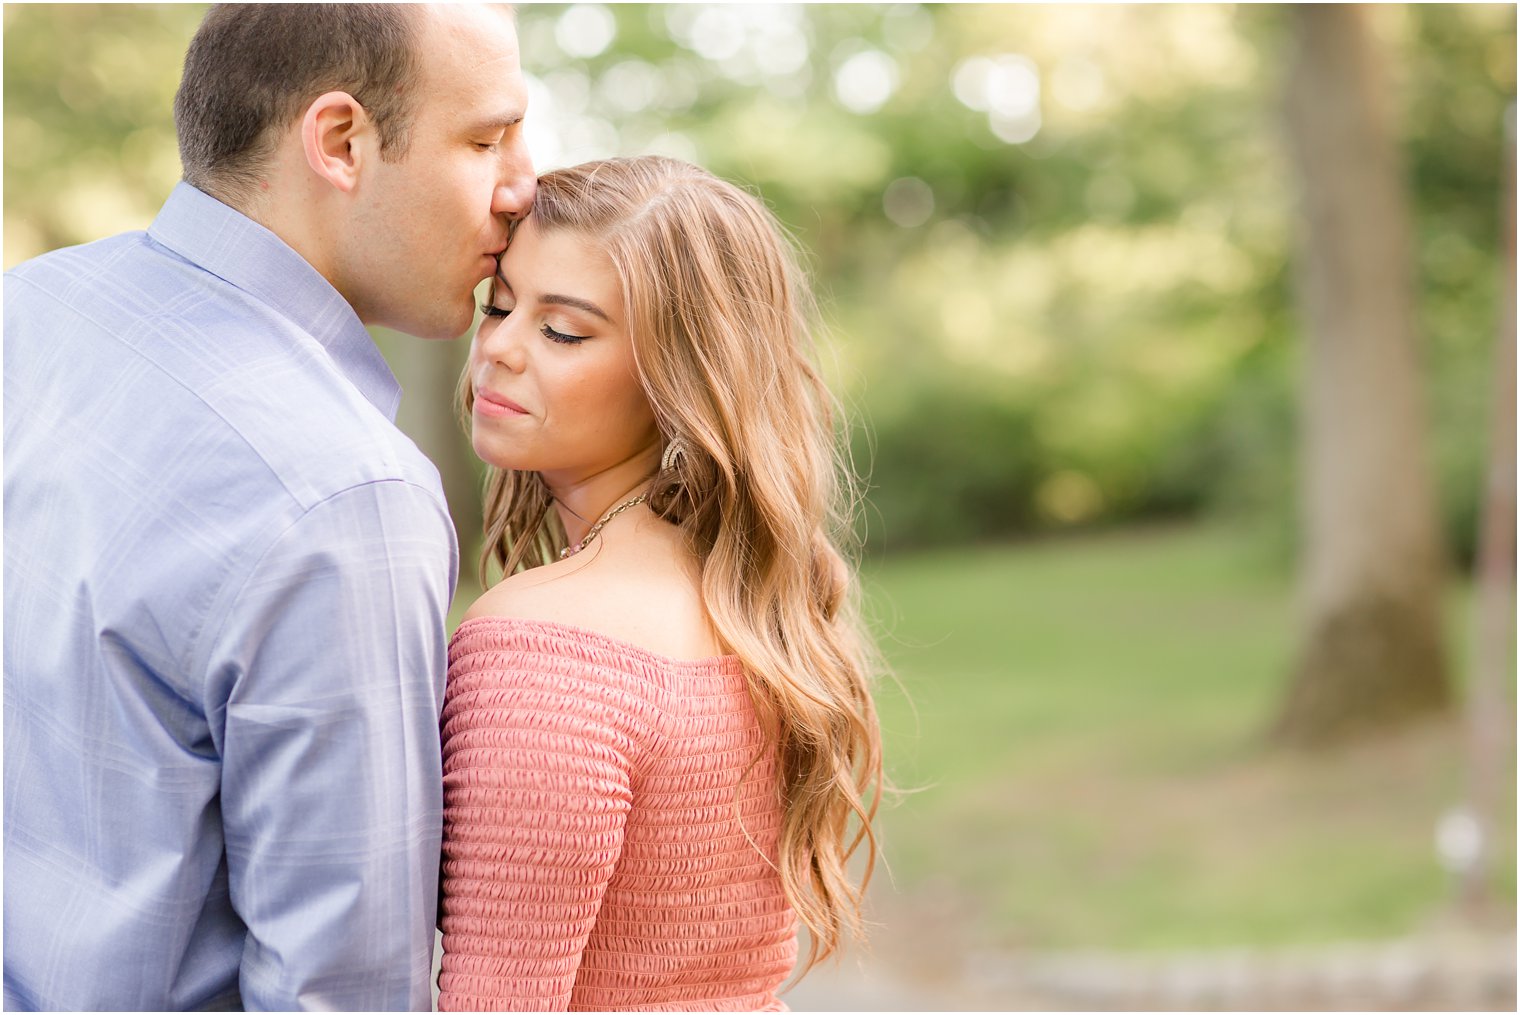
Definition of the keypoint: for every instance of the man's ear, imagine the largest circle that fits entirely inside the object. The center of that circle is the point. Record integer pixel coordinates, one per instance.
(335, 134)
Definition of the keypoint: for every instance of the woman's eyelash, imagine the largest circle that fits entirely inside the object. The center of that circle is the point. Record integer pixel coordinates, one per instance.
(492, 310)
(561, 337)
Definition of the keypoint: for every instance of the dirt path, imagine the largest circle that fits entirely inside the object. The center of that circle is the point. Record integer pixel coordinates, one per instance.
(1448, 972)
(875, 986)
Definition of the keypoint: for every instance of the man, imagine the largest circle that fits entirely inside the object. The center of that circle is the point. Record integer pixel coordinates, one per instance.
(226, 572)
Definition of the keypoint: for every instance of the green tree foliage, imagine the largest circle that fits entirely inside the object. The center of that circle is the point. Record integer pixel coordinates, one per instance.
(1053, 241)
(89, 128)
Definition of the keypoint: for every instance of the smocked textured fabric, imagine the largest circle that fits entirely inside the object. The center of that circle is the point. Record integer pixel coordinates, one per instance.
(593, 856)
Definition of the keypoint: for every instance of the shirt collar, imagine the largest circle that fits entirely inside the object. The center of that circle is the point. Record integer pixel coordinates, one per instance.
(238, 250)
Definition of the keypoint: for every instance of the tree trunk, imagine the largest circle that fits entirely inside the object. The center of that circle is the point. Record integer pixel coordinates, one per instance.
(1490, 707)
(429, 374)
(1372, 649)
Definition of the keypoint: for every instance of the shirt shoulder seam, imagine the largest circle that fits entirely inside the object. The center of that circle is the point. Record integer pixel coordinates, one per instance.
(205, 640)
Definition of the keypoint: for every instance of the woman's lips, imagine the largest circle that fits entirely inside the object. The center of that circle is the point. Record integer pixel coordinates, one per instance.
(489, 403)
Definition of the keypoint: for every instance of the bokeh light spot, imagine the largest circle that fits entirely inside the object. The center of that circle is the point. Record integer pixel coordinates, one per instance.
(585, 30)
(908, 201)
(864, 82)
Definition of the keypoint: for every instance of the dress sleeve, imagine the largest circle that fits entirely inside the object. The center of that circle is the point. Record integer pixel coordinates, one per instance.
(330, 675)
(539, 749)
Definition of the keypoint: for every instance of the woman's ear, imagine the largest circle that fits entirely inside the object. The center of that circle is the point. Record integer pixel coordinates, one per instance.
(335, 134)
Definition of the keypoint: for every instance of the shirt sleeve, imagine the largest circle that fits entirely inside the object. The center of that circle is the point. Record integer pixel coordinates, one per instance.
(330, 670)
(537, 791)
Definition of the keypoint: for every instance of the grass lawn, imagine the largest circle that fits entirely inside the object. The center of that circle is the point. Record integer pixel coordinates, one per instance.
(1084, 723)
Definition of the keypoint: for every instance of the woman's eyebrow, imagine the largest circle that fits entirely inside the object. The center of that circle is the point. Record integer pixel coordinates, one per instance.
(574, 301)
(560, 300)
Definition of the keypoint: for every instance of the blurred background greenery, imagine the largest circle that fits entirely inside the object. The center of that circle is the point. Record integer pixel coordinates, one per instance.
(1055, 248)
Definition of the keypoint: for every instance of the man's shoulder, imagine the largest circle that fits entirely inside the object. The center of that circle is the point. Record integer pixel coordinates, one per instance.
(66, 274)
(216, 367)
(70, 260)
(315, 434)
(116, 286)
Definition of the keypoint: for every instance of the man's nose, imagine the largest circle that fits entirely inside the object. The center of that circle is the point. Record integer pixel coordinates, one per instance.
(513, 196)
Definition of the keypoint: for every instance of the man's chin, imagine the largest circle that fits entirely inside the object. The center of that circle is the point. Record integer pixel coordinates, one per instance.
(440, 328)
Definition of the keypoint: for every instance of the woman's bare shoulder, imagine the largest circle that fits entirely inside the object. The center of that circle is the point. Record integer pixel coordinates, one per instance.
(640, 592)
(518, 595)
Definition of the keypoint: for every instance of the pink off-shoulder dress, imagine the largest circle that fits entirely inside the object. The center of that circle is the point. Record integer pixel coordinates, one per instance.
(593, 856)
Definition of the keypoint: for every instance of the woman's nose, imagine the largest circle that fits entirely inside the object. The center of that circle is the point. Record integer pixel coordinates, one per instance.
(497, 341)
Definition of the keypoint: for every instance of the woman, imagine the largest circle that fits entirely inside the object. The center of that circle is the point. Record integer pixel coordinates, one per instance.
(660, 747)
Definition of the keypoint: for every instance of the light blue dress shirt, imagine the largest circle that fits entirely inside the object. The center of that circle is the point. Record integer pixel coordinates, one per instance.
(226, 581)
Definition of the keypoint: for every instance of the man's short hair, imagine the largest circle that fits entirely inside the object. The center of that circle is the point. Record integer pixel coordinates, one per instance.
(253, 68)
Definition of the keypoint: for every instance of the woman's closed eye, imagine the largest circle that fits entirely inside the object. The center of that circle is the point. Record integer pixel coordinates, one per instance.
(499, 293)
(560, 336)
(549, 332)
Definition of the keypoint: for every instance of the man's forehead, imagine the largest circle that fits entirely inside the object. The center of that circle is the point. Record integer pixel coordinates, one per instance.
(469, 60)
(483, 26)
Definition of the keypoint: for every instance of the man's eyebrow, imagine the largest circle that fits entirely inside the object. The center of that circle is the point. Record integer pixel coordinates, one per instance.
(577, 302)
(499, 121)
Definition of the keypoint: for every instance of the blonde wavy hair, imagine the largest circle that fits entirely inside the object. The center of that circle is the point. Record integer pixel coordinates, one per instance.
(721, 324)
